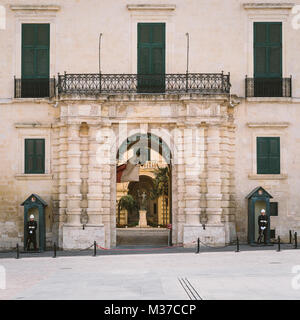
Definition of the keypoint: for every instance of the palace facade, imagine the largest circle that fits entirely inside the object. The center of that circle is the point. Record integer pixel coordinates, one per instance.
(211, 88)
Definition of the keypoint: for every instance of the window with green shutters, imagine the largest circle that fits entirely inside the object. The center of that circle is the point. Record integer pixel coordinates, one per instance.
(267, 49)
(151, 57)
(273, 209)
(35, 51)
(35, 60)
(268, 155)
(34, 155)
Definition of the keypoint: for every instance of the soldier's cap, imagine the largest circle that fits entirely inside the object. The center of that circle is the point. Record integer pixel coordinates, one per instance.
(262, 210)
(31, 216)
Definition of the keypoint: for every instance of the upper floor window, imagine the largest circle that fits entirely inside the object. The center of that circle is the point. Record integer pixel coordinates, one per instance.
(268, 155)
(268, 80)
(267, 49)
(34, 155)
(35, 60)
(151, 57)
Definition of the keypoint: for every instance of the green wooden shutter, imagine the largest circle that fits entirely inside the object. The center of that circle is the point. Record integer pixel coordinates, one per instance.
(29, 155)
(268, 155)
(274, 209)
(35, 51)
(274, 155)
(267, 49)
(34, 155)
(151, 57)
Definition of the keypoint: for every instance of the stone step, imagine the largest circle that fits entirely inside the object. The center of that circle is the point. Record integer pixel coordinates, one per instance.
(142, 236)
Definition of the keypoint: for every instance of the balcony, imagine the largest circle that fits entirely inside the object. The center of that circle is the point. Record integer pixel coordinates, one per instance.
(34, 88)
(268, 87)
(95, 84)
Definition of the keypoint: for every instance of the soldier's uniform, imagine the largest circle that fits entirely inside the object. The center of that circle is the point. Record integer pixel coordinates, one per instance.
(262, 227)
(31, 234)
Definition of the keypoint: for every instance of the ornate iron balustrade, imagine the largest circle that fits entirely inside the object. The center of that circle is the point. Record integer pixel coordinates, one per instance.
(95, 84)
(268, 87)
(35, 88)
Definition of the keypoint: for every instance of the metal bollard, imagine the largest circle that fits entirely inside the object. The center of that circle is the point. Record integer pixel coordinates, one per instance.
(95, 249)
(290, 234)
(18, 251)
(296, 240)
(278, 242)
(198, 245)
(237, 245)
(54, 250)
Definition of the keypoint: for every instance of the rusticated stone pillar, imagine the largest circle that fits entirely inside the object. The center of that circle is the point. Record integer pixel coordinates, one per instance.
(192, 175)
(73, 175)
(94, 195)
(84, 161)
(213, 182)
(62, 177)
(55, 192)
(178, 168)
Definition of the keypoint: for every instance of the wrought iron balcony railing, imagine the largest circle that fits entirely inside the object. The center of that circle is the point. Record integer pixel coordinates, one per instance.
(35, 88)
(95, 84)
(268, 87)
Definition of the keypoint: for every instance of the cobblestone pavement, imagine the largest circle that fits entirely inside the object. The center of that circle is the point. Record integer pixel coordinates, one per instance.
(252, 273)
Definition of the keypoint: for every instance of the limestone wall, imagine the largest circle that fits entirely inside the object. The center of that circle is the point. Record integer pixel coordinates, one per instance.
(19, 121)
(274, 118)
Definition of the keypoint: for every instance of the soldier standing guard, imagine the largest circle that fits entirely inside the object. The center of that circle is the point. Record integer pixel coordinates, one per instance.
(31, 232)
(262, 226)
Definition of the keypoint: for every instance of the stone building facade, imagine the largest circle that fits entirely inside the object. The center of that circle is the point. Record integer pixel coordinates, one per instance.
(209, 122)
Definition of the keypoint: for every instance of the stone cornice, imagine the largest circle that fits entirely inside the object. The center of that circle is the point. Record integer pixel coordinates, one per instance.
(33, 125)
(279, 5)
(20, 7)
(281, 176)
(45, 176)
(267, 124)
(147, 7)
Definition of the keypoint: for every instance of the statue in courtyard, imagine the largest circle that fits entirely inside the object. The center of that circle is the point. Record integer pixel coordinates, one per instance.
(143, 200)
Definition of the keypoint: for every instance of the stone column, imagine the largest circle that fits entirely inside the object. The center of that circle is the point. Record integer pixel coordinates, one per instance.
(73, 175)
(84, 161)
(228, 202)
(213, 182)
(55, 192)
(178, 171)
(194, 148)
(94, 195)
(109, 185)
(62, 179)
(192, 175)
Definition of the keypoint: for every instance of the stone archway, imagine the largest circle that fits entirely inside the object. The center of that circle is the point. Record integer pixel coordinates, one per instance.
(156, 144)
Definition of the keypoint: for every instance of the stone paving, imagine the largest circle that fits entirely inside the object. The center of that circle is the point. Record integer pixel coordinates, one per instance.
(253, 273)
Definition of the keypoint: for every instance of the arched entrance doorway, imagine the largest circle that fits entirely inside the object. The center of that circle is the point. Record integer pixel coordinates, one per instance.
(148, 191)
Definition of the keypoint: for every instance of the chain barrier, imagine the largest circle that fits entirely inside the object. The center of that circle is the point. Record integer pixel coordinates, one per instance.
(140, 249)
(211, 247)
(86, 248)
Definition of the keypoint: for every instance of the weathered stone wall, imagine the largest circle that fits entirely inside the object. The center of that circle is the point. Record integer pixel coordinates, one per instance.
(209, 184)
(19, 121)
(273, 117)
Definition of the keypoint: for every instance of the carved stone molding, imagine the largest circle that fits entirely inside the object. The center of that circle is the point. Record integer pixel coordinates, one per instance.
(23, 8)
(267, 124)
(268, 5)
(160, 7)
